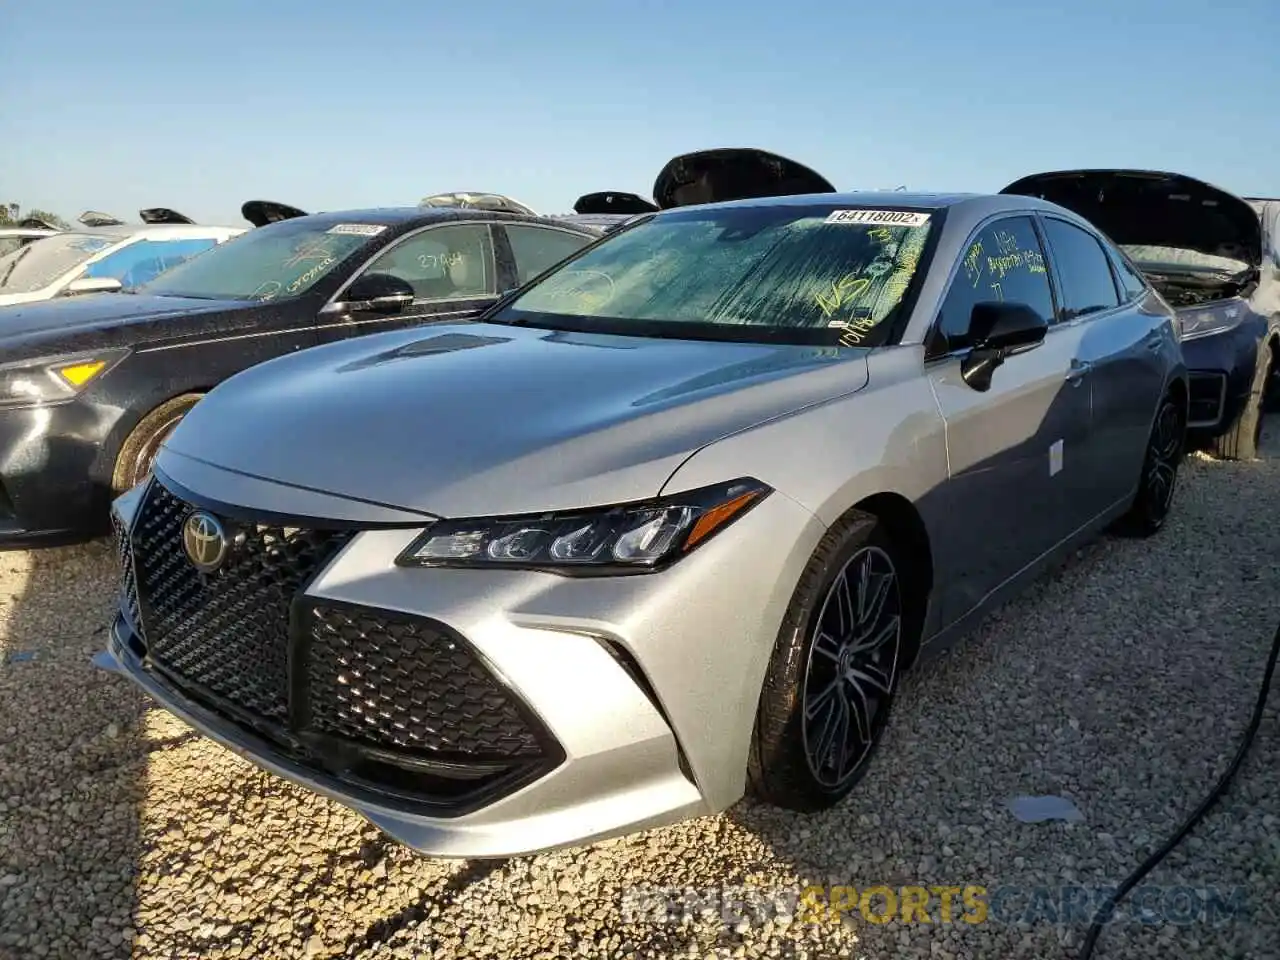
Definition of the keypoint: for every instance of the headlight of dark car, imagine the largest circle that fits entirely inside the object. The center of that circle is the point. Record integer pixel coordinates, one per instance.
(628, 538)
(31, 383)
(1194, 323)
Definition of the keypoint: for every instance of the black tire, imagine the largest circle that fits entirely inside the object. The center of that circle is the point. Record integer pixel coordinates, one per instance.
(1244, 436)
(781, 769)
(1165, 450)
(139, 449)
(1271, 390)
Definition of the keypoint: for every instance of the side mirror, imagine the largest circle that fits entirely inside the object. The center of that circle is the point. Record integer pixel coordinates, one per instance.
(374, 293)
(999, 330)
(93, 285)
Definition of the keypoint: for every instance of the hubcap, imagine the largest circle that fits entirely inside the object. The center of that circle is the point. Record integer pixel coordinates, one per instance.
(852, 666)
(147, 454)
(1162, 464)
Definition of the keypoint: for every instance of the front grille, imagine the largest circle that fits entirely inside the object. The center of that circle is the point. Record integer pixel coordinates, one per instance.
(321, 680)
(1207, 393)
(226, 632)
(399, 684)
(128, 585)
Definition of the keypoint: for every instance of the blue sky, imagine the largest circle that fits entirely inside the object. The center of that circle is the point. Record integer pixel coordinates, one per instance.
(327, 105)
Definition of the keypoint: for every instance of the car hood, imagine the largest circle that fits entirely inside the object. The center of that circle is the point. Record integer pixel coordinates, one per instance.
(95, 311)
(1154, 208)
(478, 419)
(733, 173)
(613, 201)
(262, 212)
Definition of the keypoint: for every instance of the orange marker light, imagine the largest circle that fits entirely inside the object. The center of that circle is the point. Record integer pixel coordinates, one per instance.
(718, 516)
(81, 373)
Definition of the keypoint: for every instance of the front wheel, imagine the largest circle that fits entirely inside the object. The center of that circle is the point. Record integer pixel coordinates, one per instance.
(834, 671)
(138, 452)
(1165, 449)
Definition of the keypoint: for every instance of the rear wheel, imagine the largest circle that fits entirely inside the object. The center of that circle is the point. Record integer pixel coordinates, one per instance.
(139, 450)
(1164, 453)
(834, 672)
(1244, 436)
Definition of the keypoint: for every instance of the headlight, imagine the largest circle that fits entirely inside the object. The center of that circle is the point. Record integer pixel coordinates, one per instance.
(629, 538)
(1204, 322)
(35, 382)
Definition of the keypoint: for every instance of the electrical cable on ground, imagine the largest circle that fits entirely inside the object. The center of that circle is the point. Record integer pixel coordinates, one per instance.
(1219, 790)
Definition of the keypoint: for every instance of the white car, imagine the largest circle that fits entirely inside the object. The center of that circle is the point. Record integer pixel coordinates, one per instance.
(14, 238)
(100, 259)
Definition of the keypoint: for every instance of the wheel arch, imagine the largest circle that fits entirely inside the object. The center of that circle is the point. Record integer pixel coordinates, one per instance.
(129, 421)
(906, 527)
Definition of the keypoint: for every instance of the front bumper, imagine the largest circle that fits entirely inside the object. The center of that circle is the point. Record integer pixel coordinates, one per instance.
(641, 690)
(51, 488)
(1221, 371)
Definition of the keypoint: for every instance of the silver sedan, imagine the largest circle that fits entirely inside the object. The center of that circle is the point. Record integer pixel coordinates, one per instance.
(666, 526)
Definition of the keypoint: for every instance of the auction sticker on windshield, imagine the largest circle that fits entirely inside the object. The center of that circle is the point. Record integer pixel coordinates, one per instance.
(357, 229)
(891, 218)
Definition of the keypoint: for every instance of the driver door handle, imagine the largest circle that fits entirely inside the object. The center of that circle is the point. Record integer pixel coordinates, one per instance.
(1078, 369)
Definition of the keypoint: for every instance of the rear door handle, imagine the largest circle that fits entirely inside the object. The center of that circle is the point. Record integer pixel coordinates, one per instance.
(1078, 369)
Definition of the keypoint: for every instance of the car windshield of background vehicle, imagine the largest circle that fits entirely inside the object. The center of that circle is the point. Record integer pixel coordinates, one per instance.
(1178, 260)
(43, 261)
(772, 273)
(277, 262)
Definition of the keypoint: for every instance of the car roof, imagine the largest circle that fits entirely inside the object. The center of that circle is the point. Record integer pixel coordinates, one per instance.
(123, 230)
(414, 216)
(886, 199)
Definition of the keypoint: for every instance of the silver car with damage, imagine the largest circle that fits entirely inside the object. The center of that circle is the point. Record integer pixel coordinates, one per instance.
(666, 525)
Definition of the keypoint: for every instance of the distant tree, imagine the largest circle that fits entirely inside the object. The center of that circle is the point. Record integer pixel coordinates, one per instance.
(11, 213)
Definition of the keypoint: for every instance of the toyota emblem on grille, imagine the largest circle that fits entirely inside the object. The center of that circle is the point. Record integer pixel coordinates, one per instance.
(206, 541)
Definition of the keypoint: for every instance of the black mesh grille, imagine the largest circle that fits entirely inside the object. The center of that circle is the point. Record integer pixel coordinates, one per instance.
(227, 632)
(399, 684)
(402, 690)
(128, 586)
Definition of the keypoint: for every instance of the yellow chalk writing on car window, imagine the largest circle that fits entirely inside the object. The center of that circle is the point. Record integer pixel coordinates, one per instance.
(311, 274)
(973, 262)
(998, 290)
(841, 292)
(881, 235)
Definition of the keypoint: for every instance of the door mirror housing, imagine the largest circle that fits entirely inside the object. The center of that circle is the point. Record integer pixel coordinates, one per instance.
(93, 285)
(999, 330)
(374, 293)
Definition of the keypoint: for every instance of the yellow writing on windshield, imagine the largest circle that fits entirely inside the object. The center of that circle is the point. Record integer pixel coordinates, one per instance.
(311, 275)
(881, 235)
(842, 291)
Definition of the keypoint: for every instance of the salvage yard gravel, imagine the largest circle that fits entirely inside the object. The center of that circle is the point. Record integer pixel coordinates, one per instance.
(1120, 683)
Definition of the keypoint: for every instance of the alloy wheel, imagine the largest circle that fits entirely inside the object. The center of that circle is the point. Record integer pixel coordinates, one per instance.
(852, 666)
(1163, 455)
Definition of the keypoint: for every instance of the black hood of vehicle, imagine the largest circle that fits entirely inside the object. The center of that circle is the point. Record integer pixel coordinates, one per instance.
(613, 201)
(1154, 208)
(163, 215)
(262, 212)
(35, 223)
(733, 173)
(49, 321)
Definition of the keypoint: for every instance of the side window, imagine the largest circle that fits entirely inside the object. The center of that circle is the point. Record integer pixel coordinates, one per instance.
(449, 262)
(147, 259)
(537, 248)
(1132, 283)
(1087, 284)
(1003, 262)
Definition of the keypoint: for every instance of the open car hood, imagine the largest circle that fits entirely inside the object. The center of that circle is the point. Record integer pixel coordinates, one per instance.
(476, 200)
(95, 218)
(163, 215)
(733, 173)
(1154, 208)
(35, 223)
(613, 201)
(262, 212)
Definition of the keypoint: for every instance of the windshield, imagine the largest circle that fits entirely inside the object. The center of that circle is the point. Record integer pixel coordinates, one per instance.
(791, 274)
(1177, 259)
(276, 262)
(43, 261)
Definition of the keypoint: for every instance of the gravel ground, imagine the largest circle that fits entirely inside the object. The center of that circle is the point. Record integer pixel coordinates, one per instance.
(1122, 682)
